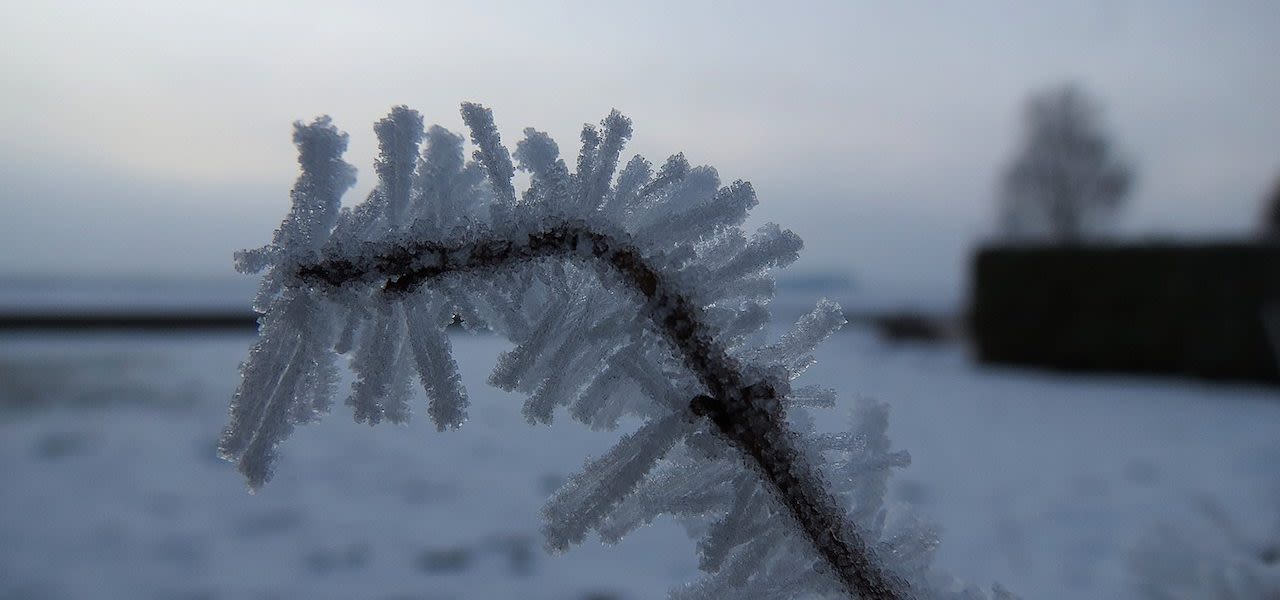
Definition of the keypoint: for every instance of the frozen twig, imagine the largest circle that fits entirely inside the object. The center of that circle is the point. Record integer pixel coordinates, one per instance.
(641, 298)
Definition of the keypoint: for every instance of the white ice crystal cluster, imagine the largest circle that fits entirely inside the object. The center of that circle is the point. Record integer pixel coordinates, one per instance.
(635, 295)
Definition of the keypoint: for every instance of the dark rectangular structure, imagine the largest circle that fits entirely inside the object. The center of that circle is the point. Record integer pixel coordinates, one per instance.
(1209, 310)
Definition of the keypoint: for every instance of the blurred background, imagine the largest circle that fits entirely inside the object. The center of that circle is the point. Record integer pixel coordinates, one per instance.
(1053, 227)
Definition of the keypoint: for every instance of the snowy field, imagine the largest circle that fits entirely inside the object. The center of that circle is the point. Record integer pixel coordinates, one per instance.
(1040, 481)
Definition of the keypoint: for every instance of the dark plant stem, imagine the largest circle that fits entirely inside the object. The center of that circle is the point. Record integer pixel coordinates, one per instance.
(748, 413)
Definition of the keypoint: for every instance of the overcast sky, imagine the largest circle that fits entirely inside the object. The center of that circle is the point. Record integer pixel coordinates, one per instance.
(152, 138)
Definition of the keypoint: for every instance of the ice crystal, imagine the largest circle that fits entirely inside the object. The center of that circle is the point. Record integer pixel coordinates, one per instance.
(635, 295)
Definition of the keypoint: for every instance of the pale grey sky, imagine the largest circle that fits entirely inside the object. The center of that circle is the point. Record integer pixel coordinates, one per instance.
(153, 137)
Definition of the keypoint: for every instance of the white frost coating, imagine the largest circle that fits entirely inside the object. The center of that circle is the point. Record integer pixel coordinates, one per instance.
(617, 130)
(792, 351)
(316, 196)
(814, 396)
(585, 500)
(740, 526)
(635, 300)
(446, 184)
(376, 365)
(514, 365)
(398, 137)
(770, 247)
(634, 176)
(432, 352)
(492, 155)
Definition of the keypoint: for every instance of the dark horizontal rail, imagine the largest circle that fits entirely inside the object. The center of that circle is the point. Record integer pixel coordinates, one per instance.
(160, 320)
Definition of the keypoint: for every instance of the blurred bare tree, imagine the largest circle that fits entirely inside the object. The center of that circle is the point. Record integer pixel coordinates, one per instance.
(1066, 182)
(1271, 222)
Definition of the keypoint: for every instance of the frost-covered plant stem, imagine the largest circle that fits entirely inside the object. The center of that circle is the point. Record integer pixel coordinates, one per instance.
(747, 411)
(635, 296)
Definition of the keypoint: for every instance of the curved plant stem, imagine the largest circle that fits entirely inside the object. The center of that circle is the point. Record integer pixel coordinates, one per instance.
(748, 413)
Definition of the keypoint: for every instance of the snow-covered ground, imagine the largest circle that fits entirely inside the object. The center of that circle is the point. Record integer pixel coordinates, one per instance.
(1043, 482)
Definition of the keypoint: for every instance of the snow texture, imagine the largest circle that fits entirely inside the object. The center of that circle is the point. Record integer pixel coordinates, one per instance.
(635, 296)
(1212, 558)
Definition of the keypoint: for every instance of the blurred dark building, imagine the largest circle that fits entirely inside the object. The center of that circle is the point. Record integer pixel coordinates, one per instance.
(1205, 310)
